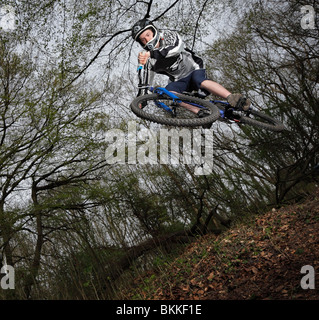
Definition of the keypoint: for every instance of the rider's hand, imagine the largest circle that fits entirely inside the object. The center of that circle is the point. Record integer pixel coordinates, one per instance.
(143, 56)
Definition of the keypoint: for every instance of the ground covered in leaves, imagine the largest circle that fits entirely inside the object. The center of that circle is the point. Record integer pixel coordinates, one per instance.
(261, 259)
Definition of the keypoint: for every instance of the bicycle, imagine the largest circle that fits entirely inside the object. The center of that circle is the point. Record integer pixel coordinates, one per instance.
(164, 107)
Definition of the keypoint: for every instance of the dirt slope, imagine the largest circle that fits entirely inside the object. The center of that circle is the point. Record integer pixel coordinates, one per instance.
(261, 259)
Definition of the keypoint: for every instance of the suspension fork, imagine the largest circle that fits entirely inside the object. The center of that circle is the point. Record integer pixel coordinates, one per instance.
(143, 78)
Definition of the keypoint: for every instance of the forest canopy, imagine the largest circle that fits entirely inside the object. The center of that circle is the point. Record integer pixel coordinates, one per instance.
(74, 226)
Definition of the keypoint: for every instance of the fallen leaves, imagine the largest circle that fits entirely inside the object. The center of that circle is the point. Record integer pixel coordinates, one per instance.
(210, 276)
(261, 260)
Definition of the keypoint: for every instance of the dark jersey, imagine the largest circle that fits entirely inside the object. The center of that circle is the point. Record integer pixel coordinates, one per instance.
(172, 58)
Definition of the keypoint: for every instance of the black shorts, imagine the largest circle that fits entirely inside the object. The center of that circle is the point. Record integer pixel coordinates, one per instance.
(189, 83)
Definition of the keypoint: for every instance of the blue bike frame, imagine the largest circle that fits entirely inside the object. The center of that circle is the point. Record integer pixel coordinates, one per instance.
(162, 91)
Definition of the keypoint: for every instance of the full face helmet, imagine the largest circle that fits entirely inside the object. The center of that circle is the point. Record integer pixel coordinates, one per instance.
(139, 27)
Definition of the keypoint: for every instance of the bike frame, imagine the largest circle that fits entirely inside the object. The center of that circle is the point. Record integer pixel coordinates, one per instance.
(161, 92)
(224, 114)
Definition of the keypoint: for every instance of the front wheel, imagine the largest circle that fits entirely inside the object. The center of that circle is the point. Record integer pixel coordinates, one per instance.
(179, 116)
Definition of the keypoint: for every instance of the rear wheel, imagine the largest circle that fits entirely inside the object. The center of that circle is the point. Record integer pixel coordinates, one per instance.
(261, 120)
(178, 116)
(252, 117)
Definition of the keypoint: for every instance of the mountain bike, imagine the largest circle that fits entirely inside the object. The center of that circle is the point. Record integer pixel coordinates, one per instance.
(164, 107)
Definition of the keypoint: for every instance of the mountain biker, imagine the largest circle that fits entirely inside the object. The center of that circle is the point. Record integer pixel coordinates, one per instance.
(166, 54)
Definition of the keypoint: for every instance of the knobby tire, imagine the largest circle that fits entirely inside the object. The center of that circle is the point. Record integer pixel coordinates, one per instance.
(174, 121)
(257, 119)
(266, 122)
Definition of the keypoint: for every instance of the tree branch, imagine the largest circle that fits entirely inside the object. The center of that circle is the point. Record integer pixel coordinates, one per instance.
(169, 8)
(149, 6)
(95, 57)
(197, 23)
